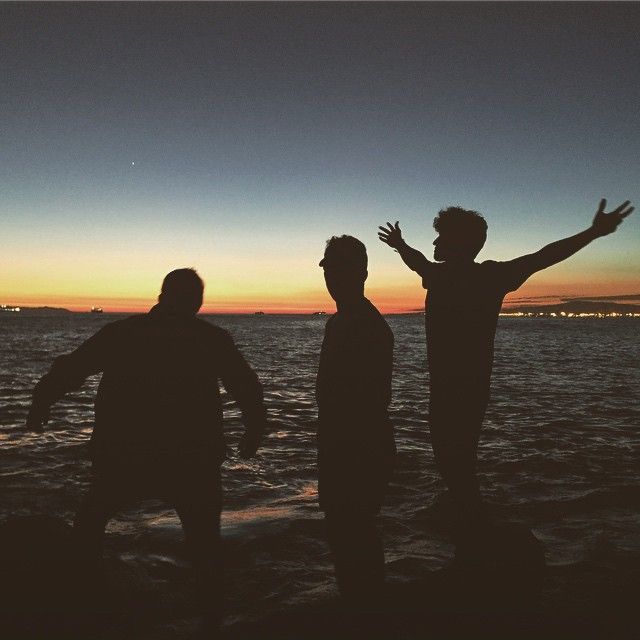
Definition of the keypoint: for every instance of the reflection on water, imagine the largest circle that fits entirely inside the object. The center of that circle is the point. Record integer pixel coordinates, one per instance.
(559, 447)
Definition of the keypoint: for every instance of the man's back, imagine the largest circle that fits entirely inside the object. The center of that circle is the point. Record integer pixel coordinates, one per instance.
(354, 377)
(159, 390)
(160, 383)
(158, 425)
(355, 438)
(461, 314)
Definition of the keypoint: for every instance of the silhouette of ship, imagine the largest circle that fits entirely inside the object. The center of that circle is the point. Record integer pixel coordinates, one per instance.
(96, 310)
(319, 313)
(259, 313)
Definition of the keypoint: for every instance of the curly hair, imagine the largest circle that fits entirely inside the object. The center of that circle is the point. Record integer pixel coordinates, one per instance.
(468, 227)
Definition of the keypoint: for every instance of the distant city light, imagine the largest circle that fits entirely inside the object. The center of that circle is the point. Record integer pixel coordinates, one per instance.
(564, 314)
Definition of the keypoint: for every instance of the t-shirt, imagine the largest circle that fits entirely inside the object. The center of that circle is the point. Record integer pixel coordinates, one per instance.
(461, 314)
(353, 392)
(353, 388)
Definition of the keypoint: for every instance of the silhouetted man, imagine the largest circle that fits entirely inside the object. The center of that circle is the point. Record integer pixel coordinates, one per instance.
(463, 301)
(355, 438)
(158, 421)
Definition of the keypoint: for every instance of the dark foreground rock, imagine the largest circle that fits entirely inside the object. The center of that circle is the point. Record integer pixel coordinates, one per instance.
(505, 592)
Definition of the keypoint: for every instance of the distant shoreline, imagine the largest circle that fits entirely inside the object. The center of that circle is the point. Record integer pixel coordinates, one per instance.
(514, 312)
(598, 306)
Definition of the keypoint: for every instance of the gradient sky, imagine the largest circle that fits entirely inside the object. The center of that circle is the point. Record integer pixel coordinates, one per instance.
(258, 131)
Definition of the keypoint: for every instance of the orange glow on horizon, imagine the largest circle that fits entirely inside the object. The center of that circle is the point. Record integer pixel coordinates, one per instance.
(389, 299)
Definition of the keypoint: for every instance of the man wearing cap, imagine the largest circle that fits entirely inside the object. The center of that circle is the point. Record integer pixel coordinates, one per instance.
(356, 447)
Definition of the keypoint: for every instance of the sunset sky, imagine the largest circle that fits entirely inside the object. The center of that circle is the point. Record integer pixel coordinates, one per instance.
(236, 138)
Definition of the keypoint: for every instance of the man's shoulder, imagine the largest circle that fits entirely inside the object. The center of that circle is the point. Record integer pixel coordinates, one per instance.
(334, 322)
(366, 316)
(125, 324)
(368, 325)
(507, 275)
(495, 264)
(490, 266)
(377, 320)
(381, 331)
(211, 330)
(136, 318)
(148, 322)
(493, 268)
(500, 265)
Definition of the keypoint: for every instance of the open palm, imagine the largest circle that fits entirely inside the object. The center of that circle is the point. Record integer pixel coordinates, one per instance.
(391, 235)
(606, 223)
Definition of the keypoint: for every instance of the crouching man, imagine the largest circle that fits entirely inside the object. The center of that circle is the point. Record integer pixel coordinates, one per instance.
(158, 423)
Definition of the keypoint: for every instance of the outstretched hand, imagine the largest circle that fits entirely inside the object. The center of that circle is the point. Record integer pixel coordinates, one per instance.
(391, 235)
(606, 223)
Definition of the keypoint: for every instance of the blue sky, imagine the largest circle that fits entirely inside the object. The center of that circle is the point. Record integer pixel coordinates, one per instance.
(257, 131)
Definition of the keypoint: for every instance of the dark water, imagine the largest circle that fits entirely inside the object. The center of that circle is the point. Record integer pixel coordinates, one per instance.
(559, 451)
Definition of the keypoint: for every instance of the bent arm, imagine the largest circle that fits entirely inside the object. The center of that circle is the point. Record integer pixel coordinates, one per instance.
(415, 260)
(67, 373)
(241, 381)
(392, 235)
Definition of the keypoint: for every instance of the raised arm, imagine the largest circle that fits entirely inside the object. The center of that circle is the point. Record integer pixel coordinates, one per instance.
(603, 224)
(415, 260)
(242, 383)
(68, 372)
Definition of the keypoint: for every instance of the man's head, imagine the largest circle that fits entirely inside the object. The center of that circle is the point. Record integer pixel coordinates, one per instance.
(345, 267)
(461, 234)
(182, 290)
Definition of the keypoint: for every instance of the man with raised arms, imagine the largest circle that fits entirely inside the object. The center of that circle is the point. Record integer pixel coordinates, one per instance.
(461, 313)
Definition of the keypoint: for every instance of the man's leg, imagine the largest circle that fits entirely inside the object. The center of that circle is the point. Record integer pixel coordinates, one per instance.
(358, 556)
(199, 504)
(98, 506)
(455, 423)
(455, 459)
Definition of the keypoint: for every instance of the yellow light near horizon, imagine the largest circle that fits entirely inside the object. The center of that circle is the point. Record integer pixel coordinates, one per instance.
(269, 283)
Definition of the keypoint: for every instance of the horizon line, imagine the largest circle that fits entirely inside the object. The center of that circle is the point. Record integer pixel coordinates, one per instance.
(323, 307)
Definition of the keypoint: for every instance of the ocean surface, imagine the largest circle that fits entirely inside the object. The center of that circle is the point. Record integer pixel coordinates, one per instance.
(559, 452)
